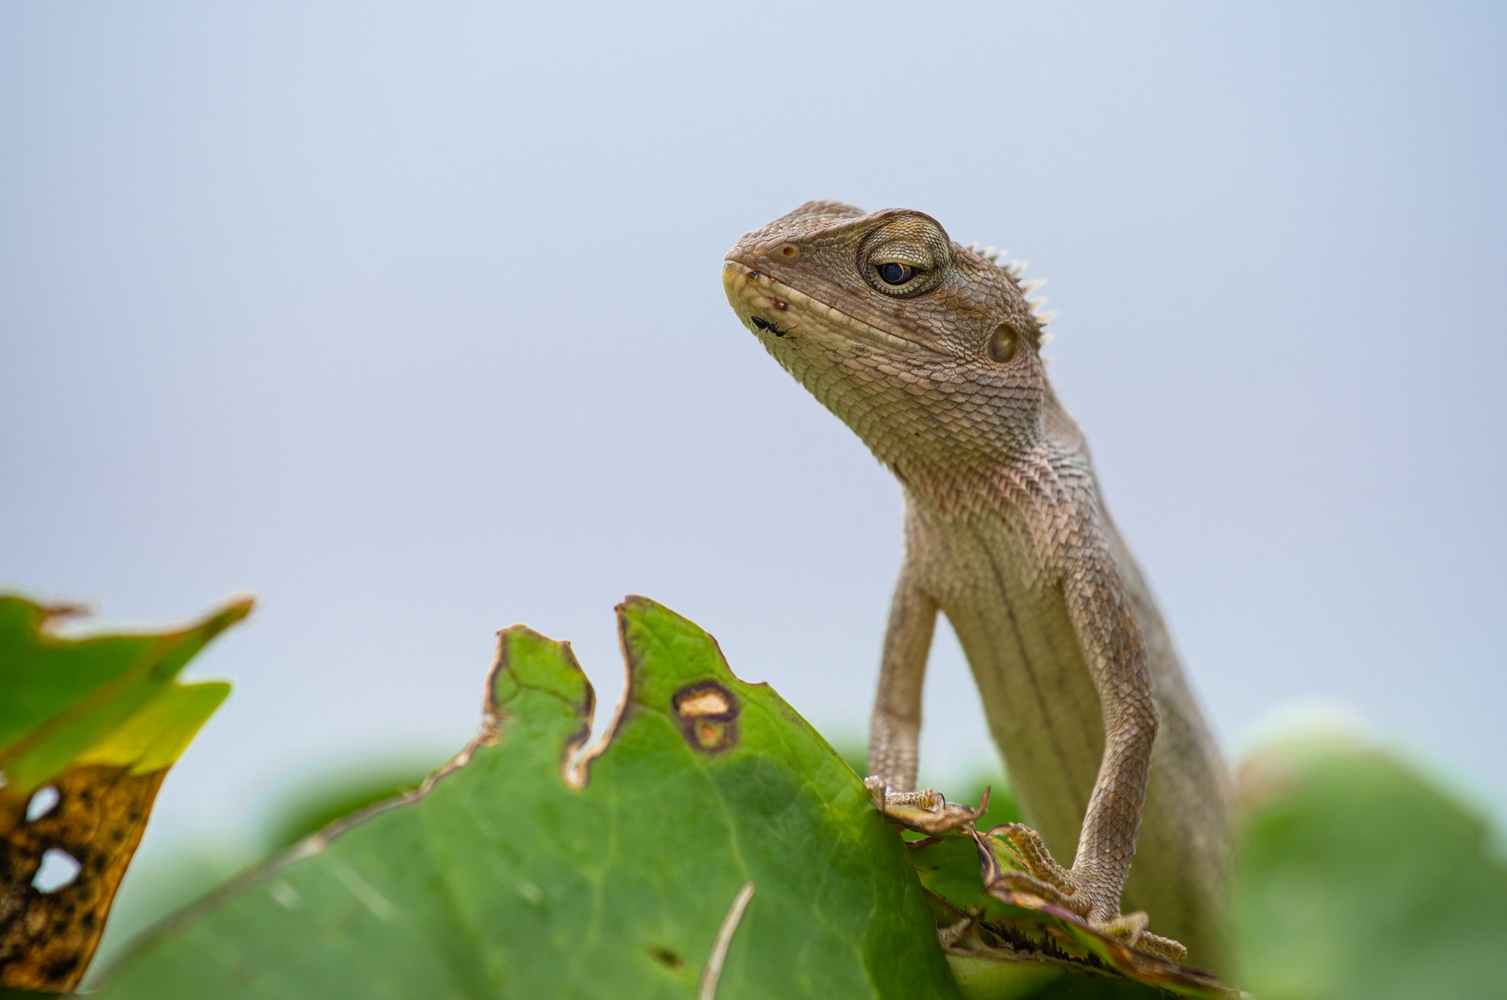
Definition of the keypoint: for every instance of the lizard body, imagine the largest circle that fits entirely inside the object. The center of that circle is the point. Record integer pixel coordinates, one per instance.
(930, 352)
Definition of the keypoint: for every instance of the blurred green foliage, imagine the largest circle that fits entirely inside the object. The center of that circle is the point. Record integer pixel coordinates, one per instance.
(1361, 879)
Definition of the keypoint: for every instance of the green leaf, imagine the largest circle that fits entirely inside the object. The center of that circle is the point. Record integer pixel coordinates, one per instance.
(1358, 878)
(715, 826)
(333, 796)
(109, 700)
(88, 729)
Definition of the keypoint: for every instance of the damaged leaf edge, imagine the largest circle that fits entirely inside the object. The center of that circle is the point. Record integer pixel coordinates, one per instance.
(578, 772)
(573, 769)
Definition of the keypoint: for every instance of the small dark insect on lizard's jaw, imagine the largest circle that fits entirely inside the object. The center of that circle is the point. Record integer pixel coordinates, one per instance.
(764, 324)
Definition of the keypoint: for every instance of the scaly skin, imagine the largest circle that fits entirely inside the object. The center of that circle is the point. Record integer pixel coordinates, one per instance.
(941, 375)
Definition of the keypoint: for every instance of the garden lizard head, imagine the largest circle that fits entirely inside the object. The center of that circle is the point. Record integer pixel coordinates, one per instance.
(929, 350)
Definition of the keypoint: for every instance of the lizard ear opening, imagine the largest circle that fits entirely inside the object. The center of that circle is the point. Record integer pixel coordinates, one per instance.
(1003, 343)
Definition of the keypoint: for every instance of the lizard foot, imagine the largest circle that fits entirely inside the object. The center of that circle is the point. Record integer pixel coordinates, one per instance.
(926, 811)
(1046, 879)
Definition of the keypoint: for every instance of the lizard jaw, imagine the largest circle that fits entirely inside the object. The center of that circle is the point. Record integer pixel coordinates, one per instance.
(755, 297)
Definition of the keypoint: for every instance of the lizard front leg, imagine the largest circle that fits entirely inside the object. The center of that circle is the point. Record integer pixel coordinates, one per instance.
(1109, 637)
(1111, 642)
(896, 724)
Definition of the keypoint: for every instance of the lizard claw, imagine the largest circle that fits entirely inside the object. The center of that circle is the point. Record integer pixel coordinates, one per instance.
(1046, 879)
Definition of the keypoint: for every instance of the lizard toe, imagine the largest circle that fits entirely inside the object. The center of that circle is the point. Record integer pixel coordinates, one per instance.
(1130, 929)
(1031, 851)
(1029, 885)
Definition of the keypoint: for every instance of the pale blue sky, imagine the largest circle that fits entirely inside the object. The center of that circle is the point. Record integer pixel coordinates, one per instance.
(408, 318)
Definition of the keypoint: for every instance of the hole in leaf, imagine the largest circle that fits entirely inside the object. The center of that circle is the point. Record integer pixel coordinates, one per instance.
(43, 801)
(704, 701)
(58, 870)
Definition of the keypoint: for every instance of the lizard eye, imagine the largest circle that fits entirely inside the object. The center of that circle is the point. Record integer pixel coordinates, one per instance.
(905, 256)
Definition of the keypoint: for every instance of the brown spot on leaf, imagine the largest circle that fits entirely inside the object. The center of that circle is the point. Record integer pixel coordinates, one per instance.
(707, 714)
(667, 957)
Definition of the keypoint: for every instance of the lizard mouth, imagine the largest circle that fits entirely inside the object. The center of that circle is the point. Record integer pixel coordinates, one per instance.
(756, 297)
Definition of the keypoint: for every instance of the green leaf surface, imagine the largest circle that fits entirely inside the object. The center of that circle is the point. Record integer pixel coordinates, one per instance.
(1358, 878)
(715, 825)
(331, 797)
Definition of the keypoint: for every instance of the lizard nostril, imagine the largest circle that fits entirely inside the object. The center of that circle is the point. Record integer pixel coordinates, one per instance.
(790, 252)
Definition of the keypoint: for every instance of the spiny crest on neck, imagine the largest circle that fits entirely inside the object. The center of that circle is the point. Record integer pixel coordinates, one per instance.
(1015, 270)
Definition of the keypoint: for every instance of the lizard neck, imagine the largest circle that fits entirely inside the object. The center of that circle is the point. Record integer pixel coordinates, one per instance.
(992, 451)
(947, 431)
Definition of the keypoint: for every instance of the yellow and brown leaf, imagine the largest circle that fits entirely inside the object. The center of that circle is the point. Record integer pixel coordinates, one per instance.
(88, 728)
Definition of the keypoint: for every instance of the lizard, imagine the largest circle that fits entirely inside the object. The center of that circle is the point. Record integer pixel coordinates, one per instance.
(931, 352)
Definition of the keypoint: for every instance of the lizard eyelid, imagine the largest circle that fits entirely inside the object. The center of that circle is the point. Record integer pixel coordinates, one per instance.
(904, 259)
